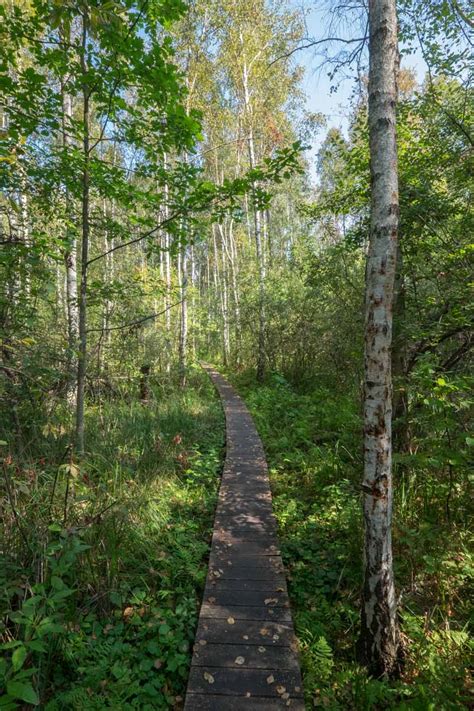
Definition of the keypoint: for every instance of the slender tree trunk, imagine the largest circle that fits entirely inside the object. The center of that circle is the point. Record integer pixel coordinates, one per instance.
(231, 257)
(167, 275)
(183, 330)
(257, 233)
(379, 641)
(192, 319)
(25, 230)
(224, 299)
(82, 360)
(70, 263)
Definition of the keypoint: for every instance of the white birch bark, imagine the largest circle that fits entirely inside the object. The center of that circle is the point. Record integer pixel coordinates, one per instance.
(257, 229)
(167, 275)
(183, 331)
(70, 263)
(379, 632)
(224, 298)
(82, 359)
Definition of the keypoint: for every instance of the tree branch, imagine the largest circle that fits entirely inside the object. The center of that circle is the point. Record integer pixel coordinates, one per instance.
(138, 322)
(315, 43)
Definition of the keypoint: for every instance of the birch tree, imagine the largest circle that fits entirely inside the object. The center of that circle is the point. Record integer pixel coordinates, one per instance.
(379, 640)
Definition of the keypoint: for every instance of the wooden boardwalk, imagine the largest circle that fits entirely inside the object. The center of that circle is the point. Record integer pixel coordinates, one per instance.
(245, 653)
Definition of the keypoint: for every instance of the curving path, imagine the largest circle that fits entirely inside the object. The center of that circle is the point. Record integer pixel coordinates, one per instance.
(245, 653)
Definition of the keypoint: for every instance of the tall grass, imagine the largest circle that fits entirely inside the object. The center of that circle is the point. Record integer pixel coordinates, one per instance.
(103, 562)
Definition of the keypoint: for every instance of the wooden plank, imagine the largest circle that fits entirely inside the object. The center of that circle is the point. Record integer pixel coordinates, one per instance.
(255, 569)
(243, 573)
(245, 612)
(243, 546)
(245, 597)
(268, 632)
(268, 586)
(238, 682)
(245, 656)
(247, 524)
(214, 702)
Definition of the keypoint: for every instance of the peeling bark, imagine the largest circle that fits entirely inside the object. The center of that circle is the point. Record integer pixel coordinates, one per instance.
(379, 641)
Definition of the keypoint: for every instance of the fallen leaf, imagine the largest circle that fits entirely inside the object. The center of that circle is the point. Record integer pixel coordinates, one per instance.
(202, 642)
(128, 612)
(231, 621)
(285, 695)
(157, 663)
(208, 677)
(270, 679)
(239, 661)
(262, 650)
(276, 637)
(264, 631)
(280, 689)
(245, 636)
(271, 601)
(211, 599)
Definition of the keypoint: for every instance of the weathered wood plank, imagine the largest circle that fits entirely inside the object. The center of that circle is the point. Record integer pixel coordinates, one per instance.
(245, 656)
(245, 652)
(237, 682)
(268, 632)
(213, 702)
(255, 598)
(245, 612)
(267, 586)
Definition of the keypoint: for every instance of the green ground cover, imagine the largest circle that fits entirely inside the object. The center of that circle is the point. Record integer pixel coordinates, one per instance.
(102, 574)
(313, 445)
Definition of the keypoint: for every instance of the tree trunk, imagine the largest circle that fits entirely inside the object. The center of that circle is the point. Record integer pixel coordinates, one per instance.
(167, 275)
(231, 257)
(70, 263)
(82, 362)
(183, 330)
(224, 300)
(379, 641)
(257, 233)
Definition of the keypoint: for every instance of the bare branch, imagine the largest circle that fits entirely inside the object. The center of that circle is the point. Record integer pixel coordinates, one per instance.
(138, 322)
(315, 43)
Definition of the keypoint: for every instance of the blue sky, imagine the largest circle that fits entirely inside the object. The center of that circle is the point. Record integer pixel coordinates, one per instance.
(316, 83)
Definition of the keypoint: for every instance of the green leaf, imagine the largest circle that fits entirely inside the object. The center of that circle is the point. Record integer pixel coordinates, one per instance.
(24, 692)
(18, 658)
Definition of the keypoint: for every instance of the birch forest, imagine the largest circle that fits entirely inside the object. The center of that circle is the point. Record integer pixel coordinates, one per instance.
(175, 190)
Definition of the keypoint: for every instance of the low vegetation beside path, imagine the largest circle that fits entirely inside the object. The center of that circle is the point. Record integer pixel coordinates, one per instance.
(100, 594)
(313, 446)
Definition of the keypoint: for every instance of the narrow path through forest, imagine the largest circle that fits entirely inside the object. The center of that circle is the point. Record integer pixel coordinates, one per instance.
(245, 654)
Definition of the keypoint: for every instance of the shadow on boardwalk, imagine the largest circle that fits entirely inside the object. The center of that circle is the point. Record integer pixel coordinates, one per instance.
(245, 653)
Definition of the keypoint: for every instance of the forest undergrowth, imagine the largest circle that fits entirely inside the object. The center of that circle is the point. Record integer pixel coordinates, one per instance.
(104, 563)
(312, 441)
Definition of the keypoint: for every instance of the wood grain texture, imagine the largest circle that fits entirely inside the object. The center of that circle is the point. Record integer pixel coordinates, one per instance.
(245, 653)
